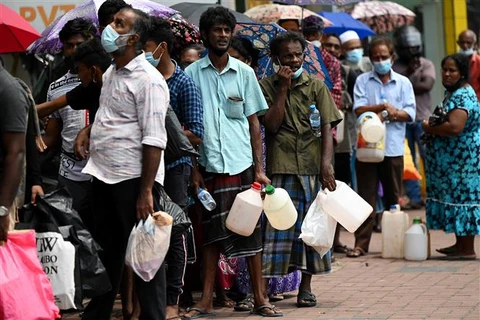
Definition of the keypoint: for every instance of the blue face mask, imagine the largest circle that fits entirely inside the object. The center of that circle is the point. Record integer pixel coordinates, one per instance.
(149, 56)
(354, 56)
(110, 39)
(383, 67)
(297, 73)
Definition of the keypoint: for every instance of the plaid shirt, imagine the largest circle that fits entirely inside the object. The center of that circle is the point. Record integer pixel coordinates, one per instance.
(185, 100)
(334, 70)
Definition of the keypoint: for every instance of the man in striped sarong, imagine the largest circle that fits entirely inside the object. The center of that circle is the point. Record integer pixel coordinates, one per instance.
(230, 154)
(297, 160)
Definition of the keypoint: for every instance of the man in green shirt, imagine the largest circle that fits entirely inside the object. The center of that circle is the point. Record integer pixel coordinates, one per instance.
(297, 160)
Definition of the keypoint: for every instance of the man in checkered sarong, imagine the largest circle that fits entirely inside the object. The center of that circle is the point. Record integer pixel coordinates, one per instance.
(297, 160)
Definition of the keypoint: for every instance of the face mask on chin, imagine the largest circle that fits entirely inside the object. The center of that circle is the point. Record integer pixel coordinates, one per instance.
(151, 59)
(467, 52)
(296, 74)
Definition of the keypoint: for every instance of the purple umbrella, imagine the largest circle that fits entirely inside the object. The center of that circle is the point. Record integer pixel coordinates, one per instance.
(50, 42)
(317, 2)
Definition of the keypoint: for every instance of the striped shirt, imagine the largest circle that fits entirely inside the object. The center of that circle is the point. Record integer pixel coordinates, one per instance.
(72, 122)
(133, 105)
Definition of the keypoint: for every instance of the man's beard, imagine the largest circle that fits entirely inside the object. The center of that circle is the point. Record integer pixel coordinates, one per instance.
(217, 52)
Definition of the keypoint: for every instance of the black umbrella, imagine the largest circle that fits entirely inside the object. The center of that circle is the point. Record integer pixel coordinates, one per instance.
(192, 12)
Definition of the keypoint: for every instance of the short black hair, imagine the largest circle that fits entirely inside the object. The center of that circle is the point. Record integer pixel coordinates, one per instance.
(91, 53)
(81, 26)
(381, 40)
(463, 64)
(161, 31)
(141, 26)
(108, 9)
(286, 37)
(217, 15)
(245, 48)
(333, 35)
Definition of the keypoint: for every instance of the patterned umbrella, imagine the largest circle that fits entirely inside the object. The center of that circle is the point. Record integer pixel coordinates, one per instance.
(382, 16)
(317, 2)
(267, 13)
(50, 42)
(261, 34)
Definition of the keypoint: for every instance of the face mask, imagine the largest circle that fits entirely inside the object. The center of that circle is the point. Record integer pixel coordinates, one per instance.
(382, 67)
(149, 56)
(316, 43)
(467, 52)
(297, 73)
(354, 56)
(112, 41)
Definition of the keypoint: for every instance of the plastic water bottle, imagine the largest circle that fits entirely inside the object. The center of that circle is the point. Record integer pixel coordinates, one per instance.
(383, 99)
(315, 121)
(206, 199)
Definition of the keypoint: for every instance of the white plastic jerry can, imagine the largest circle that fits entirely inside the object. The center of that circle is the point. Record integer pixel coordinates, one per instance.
(416, 241)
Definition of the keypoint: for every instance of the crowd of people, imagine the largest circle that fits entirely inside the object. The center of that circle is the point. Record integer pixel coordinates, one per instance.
(108, 116)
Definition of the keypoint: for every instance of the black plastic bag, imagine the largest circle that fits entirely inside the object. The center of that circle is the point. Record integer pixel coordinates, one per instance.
(178, 145)
(439, 116)
(56, 208)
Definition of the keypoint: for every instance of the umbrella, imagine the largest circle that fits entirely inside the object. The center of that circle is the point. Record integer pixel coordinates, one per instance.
(343, 22)
(50, 42)
(317, 2)
(267, 13)
(261, 34)
(192, 11)
(17, 33)
(383, 16)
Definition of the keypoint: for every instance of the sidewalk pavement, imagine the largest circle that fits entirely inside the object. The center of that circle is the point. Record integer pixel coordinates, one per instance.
(370, 287)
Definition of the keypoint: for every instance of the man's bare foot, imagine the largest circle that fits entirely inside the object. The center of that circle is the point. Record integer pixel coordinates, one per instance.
(199, 309)
(172, 312)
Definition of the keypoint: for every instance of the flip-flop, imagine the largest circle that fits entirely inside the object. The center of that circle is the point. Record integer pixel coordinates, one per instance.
(200, 313)
(244, 305)
(306, 299)
(275, 297)
(260, 311)
(355, 253)
(341, 249)
(447, 250)
(459, 257)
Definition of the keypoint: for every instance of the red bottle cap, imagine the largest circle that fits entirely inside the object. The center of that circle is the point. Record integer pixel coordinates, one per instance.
(256, 186)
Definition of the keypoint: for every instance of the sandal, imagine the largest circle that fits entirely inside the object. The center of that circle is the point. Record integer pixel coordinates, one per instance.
(244, 305)
(355, 253)
(199, 313)
(306, 299)
(341, 249)
(447, 250)
(262, 311)
(459, 257)
(275, 297)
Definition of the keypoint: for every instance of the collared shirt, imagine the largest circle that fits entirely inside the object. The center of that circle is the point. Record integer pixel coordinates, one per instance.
(334, 70)
(133, 105)
(72, 122)
(423, 100)
(474, 74)
(294, 149)
(228, 97)
(186, 102)
(399, 92)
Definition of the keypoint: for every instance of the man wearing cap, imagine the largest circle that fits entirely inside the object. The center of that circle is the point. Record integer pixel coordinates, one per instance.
(312, 28)
(467, 41)
(421, 72)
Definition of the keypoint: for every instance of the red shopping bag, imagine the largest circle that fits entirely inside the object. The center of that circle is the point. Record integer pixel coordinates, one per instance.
(25, 291)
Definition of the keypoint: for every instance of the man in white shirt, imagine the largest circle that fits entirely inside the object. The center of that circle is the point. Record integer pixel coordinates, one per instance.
(126, 160)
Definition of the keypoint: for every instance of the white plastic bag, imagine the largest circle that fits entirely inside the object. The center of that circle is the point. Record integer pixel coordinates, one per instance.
(318, 228)
(147, 246)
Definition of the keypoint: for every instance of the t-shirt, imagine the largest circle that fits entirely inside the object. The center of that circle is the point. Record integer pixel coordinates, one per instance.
(72, 122)
(423, 100)
(13, 108)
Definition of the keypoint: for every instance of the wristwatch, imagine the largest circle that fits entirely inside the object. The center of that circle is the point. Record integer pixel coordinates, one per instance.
(384, 114)
(3, 211)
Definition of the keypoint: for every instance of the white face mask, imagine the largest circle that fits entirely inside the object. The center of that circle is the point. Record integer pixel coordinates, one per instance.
(316, 43)
(467, 52)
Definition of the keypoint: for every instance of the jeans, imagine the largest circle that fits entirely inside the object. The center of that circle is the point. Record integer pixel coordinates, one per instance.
(176, 183)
